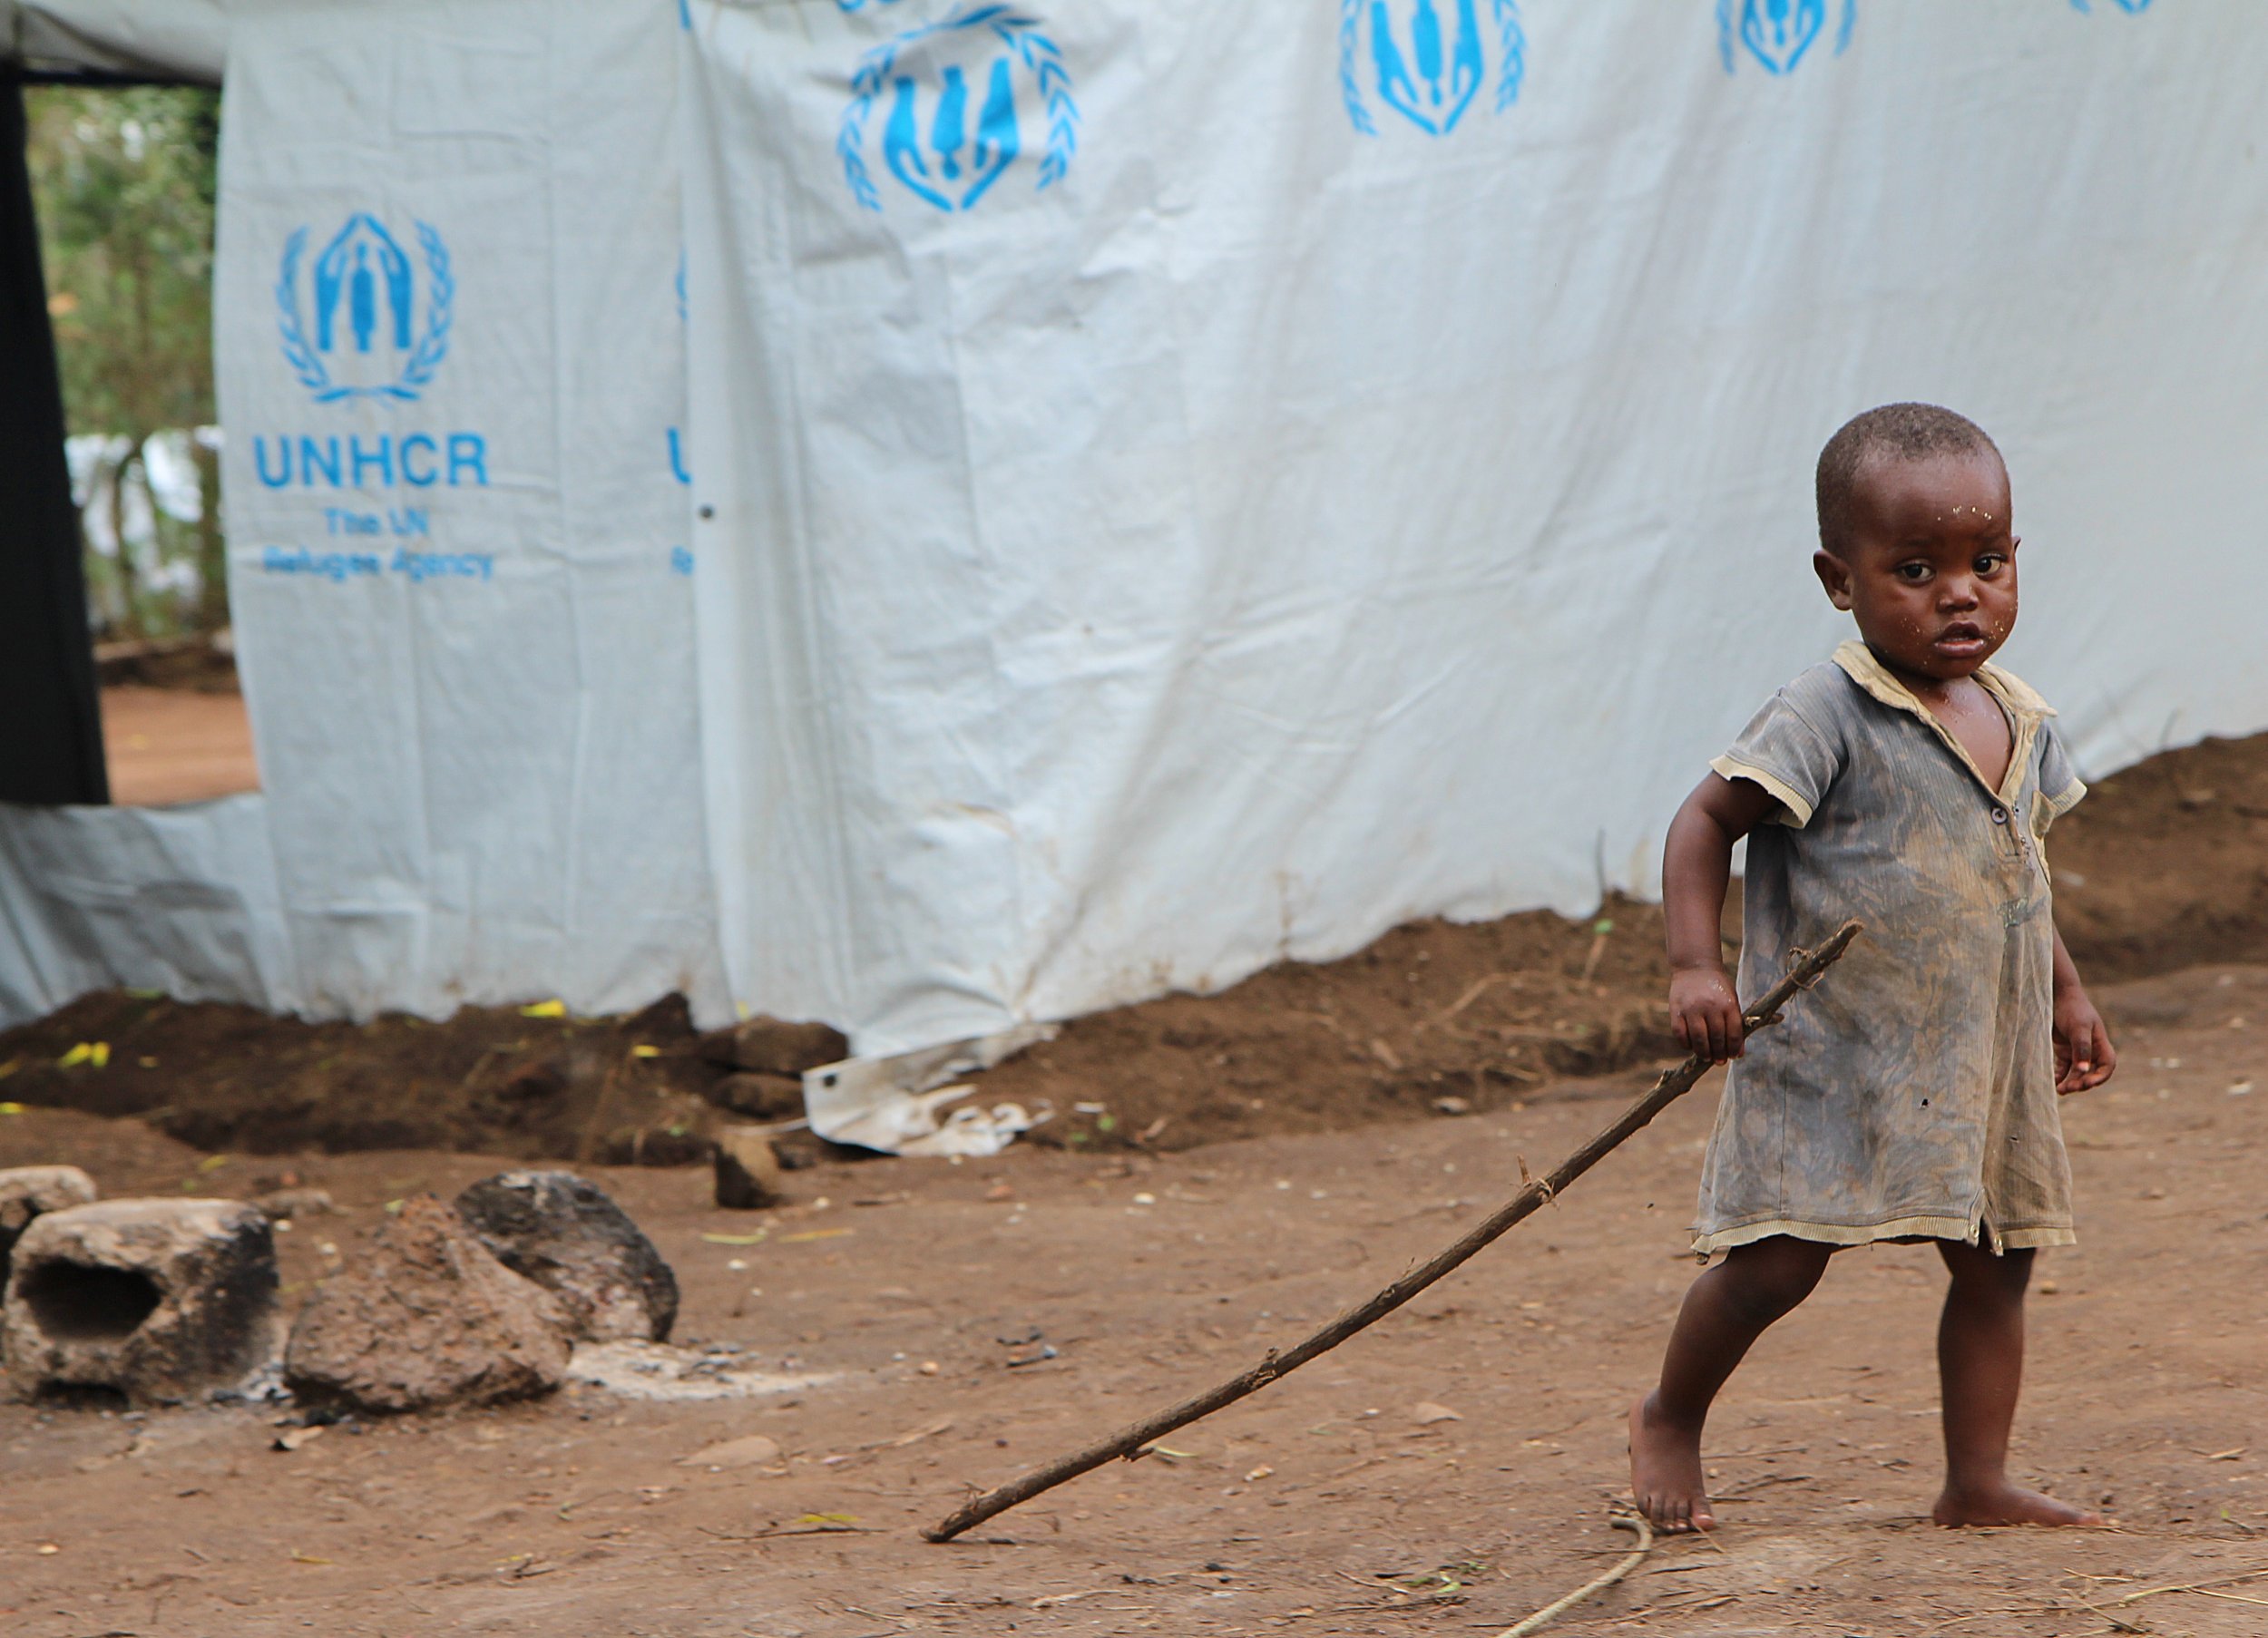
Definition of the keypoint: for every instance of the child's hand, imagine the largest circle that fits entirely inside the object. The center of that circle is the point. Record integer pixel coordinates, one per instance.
(1705, 1014)
(2084, 1055)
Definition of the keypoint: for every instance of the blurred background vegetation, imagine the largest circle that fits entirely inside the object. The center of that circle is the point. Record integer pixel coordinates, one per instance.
(123, 182)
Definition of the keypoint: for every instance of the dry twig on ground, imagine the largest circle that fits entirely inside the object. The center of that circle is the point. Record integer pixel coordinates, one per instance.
(1559, 1606)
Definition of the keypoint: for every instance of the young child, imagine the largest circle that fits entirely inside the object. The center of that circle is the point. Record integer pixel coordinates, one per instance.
(1910, 1095)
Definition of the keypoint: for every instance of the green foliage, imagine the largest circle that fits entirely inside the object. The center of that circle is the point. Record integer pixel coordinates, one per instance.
(124, 182)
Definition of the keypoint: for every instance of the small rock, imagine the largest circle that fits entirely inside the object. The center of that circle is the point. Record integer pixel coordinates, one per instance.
(159, 1300)
(1425, 1413)
(1452, 1104)
(27, 1191)
(284, 1204)
(758, 1095)
(566, 1235)
(773, 1047)
(427, 1316)
(754, 1451)
(747, 1170)
(537, 1080)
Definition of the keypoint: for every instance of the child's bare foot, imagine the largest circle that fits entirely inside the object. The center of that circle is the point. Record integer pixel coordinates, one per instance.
(2007, 1504)
(1666, 1478)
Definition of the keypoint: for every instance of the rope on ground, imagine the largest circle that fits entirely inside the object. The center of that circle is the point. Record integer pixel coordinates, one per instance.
(1559, 1606)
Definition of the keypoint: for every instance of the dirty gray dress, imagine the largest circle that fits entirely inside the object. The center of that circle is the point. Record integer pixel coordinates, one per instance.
(1912, 1092)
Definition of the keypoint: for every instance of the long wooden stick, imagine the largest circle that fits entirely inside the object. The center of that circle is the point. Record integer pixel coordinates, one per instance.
(1130, 1441)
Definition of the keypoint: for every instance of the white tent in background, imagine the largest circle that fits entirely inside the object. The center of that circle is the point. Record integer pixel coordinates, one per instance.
(941, 516)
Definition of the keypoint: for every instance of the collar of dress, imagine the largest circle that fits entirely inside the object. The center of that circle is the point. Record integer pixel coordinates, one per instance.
(2023, 704)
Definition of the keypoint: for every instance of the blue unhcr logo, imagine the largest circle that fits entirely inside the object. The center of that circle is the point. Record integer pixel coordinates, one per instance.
(376, 335)
(1429, 62)
(2131, 8)
(1779, 32)
(945, 151)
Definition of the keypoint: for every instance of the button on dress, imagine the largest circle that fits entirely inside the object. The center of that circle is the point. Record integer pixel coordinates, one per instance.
(1911, 1093)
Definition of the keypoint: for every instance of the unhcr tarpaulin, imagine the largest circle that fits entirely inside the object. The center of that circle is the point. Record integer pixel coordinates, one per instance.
(1353, 462)
(1172, 485)
(450, 345)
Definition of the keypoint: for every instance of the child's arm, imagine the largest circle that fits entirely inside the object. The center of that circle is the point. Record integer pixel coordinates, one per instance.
(1696, 863)
(2084, 1055)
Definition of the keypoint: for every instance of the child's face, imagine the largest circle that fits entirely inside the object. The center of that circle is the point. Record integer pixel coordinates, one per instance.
(1929, 568)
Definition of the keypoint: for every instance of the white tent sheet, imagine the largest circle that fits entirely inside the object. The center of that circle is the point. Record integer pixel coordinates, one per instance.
(1174, 485)
(451, 350)
(1290, 520)
(178, 40)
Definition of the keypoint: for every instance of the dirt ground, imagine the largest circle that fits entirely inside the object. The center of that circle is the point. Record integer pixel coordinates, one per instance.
(1323, 1505)
(1305, 1157)
(170, 745)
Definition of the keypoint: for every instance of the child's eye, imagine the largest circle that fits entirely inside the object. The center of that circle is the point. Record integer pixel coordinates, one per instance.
(1990, 562)
(1913, 574)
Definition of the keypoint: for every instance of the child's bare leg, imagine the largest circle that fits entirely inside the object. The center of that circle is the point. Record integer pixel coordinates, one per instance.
(1726, 1310)
(1980, 1363)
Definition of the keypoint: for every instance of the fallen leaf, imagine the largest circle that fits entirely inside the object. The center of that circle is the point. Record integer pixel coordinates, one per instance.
(642, 1050)
(11, 1109)
(1427, 1413)
(827, 1518)
(814, 1234)
(757, 1238)
(551, 1009)
(292, 1438)
(212, 1163)
(299, 1557)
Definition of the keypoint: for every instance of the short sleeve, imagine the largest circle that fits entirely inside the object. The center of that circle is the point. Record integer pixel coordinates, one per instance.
(2059, 786)
(1792, 759)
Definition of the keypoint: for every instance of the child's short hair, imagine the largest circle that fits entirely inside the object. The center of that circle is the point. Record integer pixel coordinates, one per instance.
(1906, 432)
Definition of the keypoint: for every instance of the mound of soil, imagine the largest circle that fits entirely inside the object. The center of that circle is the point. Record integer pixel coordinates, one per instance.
(491, 1079)
(1433, 1016)
(2164, 866)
